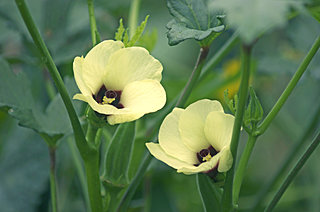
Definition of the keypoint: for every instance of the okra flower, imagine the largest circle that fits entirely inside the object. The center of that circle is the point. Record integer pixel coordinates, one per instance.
(121, 83)
(196, 139)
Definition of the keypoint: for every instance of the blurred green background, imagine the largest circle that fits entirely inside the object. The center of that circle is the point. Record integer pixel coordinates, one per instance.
(64, 24)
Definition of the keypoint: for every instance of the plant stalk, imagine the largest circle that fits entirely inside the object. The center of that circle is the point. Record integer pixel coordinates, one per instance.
(133, 16)
(47, 59)
(93, 24)
(292, 84)
(53, 186)
(227, 203)
(287, 162)
(241, 169)
(92, 170)
(293, 173)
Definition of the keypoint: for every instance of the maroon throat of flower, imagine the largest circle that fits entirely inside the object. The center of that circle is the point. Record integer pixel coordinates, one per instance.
(206, 154)
(111, 97)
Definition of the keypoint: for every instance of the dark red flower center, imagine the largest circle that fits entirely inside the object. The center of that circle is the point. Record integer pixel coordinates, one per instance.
(105, 96)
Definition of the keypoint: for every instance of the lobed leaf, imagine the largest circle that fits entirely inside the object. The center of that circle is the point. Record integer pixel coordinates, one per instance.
(15, 94)
(192, 20)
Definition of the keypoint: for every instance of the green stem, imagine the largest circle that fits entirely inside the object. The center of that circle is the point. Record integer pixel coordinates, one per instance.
(203, 53)
(227, 203)
(47, 59)
(293, 82)
(80, 171)
(93, 24)
(223, 51)
(241, 169)
(287, 162)
(53, 186)
(293, 173)
(133, 16)
(92, 170)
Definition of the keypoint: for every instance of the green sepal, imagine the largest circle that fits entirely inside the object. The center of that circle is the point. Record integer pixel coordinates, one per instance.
(118, 155)
(210, 194)
(123, 35)
(254, 112)
(137, 34)
(97, 120)
(120, 31)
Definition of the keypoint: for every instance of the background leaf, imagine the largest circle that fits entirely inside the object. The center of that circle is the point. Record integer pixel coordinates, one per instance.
(252, 17)
(192, 19)
(15, 93)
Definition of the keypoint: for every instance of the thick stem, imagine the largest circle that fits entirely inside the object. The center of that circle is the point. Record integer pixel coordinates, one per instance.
(240, 172)
(92, 170)
(227, 203)
(292, 84)
(47, 59)
(53, 185)
(293, 173)
(93, 24)
(133, 16)
(287, 162)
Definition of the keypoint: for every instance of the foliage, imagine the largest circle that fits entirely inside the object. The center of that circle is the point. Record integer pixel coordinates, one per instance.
(193, 20)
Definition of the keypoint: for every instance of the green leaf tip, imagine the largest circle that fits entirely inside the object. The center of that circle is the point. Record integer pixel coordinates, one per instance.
(122, 33)
(193, 20)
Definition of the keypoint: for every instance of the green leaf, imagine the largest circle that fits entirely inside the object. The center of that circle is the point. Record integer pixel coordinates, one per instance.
(253, 17)
(209, 193)
(15, 93)
(315, 12)
(148, 40)
(24, 168)
(118, 155)
(120, 31)
(192, 20)
(137, 34)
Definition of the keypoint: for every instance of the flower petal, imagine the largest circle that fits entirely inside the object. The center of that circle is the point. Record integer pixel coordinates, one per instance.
(129, 65)
(170, 140)
(77, 70)
(192, 120)
(203, 167)
(144, 96)
(95, 62)
(226, 160)
(121, 118)
(103, 109)
(159, 153)
(218, 129)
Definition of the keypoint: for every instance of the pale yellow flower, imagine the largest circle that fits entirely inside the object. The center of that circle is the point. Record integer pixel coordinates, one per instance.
(122, 83)
(196, 139)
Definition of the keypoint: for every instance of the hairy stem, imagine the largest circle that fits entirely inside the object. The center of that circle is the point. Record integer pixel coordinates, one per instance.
(293, 173)
(292, 84)
(227, 203)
